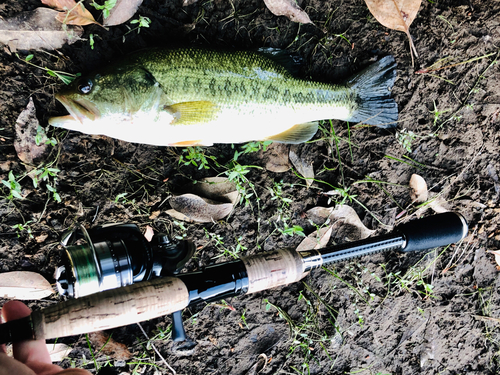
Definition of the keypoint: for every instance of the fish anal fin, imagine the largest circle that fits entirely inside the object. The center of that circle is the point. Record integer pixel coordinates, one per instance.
(189, 113)
(296, 134)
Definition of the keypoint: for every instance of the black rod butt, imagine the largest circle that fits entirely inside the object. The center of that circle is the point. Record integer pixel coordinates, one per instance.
(433, 231)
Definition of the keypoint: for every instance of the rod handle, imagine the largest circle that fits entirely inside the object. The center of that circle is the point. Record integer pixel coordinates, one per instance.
(111, 308)
(433, 231)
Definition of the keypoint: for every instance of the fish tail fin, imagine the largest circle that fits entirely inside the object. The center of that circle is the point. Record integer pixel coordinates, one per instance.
(373, 87)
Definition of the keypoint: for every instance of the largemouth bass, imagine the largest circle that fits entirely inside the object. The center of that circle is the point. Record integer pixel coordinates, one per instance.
(187, 97)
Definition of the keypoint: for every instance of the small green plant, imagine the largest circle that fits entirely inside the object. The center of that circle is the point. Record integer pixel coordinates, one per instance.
(67, 78)
(290, 230)
(196, 156)
(140, 22)
(232, 251)
(254, 147)
(106, 7)
(49, 176)
(20, 228)
(13, 186)
(277, 194)
(246, 189)
(306, 334)
(121, 198)
(437, 114)
(244, 319)
(91, 41)
(405, 138)
(41, 137)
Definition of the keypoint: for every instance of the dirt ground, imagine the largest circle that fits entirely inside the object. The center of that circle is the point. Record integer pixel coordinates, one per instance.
(425, 313)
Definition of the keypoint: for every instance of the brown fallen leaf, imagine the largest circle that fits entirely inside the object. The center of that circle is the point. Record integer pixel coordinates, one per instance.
(345, 222)
(27, 129)
(107, 346)
(289, 9)
(316, 240)
(37, 29)
(216, 188)
(149, 233)
(418, 189)
(72, 13)
(24, 285)
(122, 12)
(397, 15)
(276, 157)
(496, 253)
(304, 167)
(198, 209)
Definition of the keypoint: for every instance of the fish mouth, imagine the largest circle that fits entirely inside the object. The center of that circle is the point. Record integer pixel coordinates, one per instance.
(79, 110)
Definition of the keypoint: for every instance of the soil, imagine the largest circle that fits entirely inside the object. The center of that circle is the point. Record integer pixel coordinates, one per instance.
(426, 313)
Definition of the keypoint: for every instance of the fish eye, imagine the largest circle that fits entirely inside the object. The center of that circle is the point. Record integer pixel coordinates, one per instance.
(85, 86)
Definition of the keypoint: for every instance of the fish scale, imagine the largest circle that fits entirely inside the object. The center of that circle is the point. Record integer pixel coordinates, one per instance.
(194, 96)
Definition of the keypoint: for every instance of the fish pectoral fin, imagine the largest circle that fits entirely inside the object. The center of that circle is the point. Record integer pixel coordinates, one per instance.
(296, 134)
(189, 113)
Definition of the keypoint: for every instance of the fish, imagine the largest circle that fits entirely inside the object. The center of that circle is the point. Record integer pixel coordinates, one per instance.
(198, 97)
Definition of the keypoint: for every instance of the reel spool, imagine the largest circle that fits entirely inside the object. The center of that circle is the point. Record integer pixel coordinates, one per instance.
(115, 255)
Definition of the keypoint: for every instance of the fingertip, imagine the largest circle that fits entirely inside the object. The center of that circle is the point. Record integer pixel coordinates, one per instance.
(15, 310)
(30, 351)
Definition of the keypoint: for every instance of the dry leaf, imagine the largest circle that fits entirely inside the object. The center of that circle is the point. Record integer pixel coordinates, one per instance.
(24, 285)
(179, 216)
(36, 30)
(27, 127)
(344, 220)
(304, 168)
(497, 255)
(397, 15)
(107, 346)
(215, 188)
(276, 157)
(122, 12)
(42, 237)
(58, 352)
(289, 9)
(154, 215)
(72, 13)
(149, 233)
(418, 189)
(316, 240)
(199, 209)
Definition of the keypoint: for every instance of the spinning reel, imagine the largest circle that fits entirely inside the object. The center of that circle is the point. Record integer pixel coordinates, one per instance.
(115, 255)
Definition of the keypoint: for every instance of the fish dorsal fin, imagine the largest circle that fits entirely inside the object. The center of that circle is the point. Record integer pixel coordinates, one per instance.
(291, 62)
(189, 113)
(296, 134)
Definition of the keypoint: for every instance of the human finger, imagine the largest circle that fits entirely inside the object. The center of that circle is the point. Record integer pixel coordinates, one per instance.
(33, 353)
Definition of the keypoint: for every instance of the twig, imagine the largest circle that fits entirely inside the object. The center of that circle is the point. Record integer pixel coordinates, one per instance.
(156, 350)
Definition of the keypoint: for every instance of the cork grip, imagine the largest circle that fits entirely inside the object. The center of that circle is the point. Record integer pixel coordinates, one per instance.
(111, 308)
(276, 268)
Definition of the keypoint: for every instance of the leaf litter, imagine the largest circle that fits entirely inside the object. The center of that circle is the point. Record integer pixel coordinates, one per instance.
(30, 137)
(24, 285)
(71, 13)
(209, 200)
(396, 15)
(289, 9)
(37, 29)
(122, 12)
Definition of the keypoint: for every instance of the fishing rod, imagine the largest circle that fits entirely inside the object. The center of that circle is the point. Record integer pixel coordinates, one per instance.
(111, 251)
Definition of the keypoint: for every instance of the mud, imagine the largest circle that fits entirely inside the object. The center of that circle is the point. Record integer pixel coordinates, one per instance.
(425, 313)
